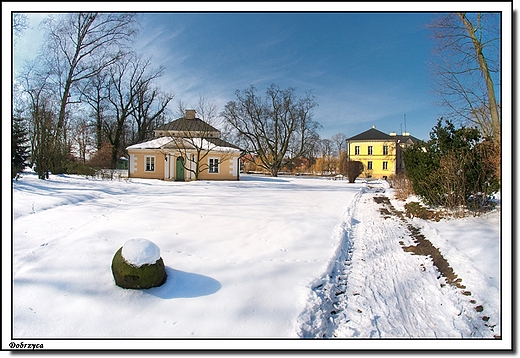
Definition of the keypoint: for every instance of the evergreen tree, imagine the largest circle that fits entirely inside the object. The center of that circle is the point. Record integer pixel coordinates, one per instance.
(19, 146)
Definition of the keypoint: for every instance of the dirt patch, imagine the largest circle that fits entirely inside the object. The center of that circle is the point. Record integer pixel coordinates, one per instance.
(424, 247)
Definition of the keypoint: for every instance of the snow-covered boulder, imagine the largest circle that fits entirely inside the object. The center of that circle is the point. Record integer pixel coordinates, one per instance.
(138, 264)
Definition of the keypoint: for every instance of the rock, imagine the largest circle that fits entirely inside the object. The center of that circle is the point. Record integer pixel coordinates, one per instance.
(127, 275)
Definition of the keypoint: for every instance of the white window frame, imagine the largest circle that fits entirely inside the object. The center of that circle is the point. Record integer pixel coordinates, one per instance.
(356, 150)
(212, 166)
(370, 150)
(385, 165)
(385, 150)
(149, 167)
(369, 165)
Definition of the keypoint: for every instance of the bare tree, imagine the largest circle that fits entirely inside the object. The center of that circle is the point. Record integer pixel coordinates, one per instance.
(340, 140)
(126, 77)
(78, 47)
(95, 94)
(42, 118)
(467, 70)
(20, 23)
(206, 109)
(82, 138)
(276, 129)
(150, 104)
(328, 159)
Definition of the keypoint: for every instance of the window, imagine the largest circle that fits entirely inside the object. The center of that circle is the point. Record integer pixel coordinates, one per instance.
(385, 150)
(369, 165)
(149, 164)
(385, 165)
(356, 150)
(370, 150)
(213, 165)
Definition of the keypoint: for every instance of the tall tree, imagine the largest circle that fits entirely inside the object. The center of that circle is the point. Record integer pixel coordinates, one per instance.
(150, 106)
(467, 69)
(277, 128)
(128, 78)
(340, 140)
(42, 119)
(79, 46)
(20, 23)
(328, 161)
(95, 94)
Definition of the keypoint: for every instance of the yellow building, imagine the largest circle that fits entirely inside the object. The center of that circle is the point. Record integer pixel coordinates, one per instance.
(380, 153)
(185, 149)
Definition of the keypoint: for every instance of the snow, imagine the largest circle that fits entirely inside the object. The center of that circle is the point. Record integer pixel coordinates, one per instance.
(139, 252)
(252, 264)
(151, 144)
(163, 142)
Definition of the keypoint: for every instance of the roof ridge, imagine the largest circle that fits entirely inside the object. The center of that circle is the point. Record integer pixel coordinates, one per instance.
(371, 133)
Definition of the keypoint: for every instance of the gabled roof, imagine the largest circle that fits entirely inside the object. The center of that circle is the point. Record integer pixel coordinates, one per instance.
(408, 139)
(211, 144)
(221, 143)
(187, 125)
(152, 144)
(372, 134)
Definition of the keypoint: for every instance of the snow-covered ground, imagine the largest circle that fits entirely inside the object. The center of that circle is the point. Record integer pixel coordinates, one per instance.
(255, 264)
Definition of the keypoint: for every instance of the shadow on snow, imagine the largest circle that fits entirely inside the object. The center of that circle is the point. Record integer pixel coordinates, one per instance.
(180, 284)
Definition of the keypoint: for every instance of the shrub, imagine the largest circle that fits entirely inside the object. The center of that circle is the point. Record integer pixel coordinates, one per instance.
(453, 169)
(402, 185)
(353, 169)
(79, 168)
(103, 157)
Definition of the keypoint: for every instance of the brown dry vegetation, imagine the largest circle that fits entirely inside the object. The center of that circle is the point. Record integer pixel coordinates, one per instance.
(402, 185)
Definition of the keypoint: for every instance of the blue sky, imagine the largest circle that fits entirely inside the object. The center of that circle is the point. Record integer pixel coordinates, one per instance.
(365, 68)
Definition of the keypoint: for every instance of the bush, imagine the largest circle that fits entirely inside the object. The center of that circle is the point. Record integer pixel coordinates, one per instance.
(402, 185)
(353, 169)
(103, 157)
(453, 168)
(80, 169)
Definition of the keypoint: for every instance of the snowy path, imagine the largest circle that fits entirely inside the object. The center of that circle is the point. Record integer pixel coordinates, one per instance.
(378, 290)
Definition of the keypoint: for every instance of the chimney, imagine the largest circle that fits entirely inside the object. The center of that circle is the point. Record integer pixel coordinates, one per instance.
(190, 114)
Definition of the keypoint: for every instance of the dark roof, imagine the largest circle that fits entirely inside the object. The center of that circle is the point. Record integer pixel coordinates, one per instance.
(221, 143)
(187, 125)
(405, 138)
(372, 134)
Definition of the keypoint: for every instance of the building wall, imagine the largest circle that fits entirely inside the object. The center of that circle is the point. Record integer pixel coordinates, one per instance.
(137, 164)
(228, 169)
(377, 158)
(164, 165)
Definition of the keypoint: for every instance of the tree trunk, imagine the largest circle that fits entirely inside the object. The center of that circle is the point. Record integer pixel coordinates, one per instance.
(493, 108)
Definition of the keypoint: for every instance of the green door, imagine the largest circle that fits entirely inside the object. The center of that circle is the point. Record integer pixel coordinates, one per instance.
(179, 169)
